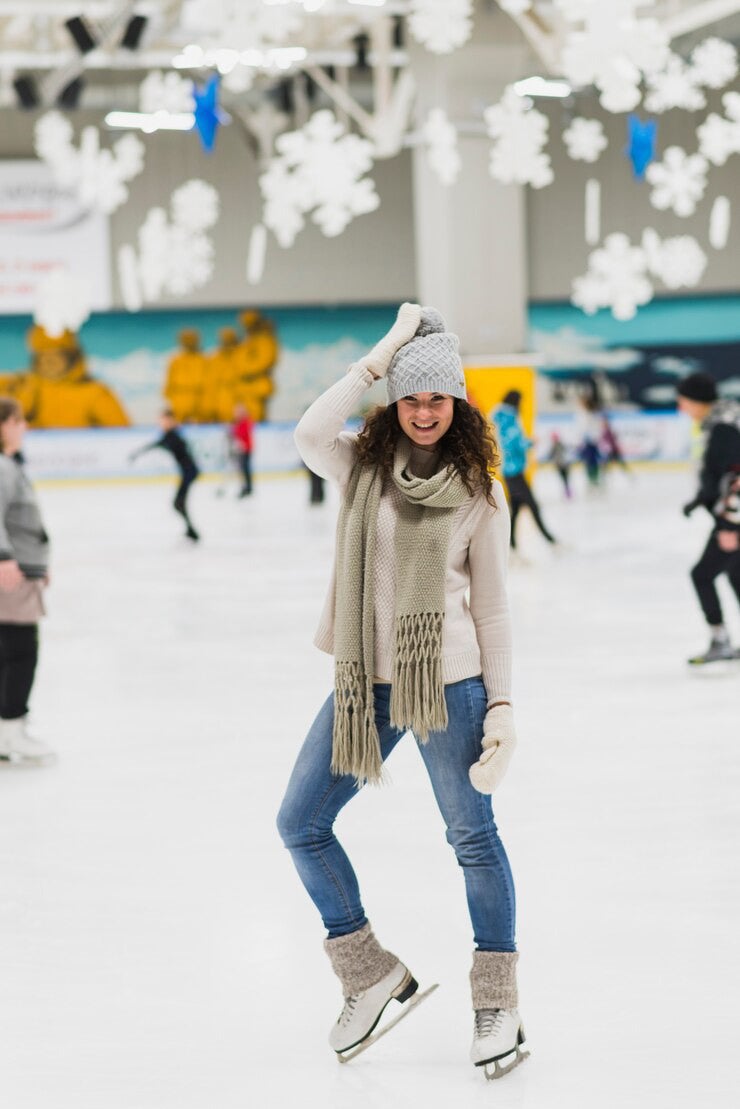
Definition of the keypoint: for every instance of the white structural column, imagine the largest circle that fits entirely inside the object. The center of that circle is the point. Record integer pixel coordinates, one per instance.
(470, 237)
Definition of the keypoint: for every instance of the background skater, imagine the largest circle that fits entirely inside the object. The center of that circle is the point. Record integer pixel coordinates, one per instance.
(422, 521)
(172, 441)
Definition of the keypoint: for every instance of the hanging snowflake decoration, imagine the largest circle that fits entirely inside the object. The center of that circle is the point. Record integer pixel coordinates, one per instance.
(441, 25)
(99, 177)
(610, 47)
(719, 136)
(674, 86)
(166, 92)
(678, 262)
(241, 24)
(442, 153)
(585, 139)
(616, 279)
(318, 169)
(63, 303)
(679, 181)
(714, 63)
(175, 255)
(519, 133)
(515, 7)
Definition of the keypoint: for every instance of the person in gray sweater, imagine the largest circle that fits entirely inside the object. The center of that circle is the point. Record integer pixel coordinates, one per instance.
(417, 622)
(24, 563)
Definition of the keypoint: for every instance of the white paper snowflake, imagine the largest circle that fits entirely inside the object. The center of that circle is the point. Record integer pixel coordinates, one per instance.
(519, 133)
(714, 63)
(719, 136)
(442, 154)
(441, 25)
(674, 86)
(238, 80)
(318, 169)
(195, 205)
(63, 302)
(679, 181)
(99, 177)
(175, 254)
(585, 139)
(616, 279)
(678, 262)
(611, 47)
(166, 92)
(515, 7)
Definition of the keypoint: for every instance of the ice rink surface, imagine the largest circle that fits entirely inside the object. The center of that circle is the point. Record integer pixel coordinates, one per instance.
(157, 950)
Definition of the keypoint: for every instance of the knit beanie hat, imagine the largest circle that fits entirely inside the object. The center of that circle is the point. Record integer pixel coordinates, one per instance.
(429, 363)
(699, 387)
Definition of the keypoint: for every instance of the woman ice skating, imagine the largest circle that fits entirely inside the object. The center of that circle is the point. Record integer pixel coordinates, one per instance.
(241, 434)
(24, 563)
(173, 442)
(514, 446)
(720, 468)
(422, 521)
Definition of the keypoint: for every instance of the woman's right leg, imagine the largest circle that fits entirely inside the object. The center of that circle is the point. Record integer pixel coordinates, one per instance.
(18, 657)
(313, 800)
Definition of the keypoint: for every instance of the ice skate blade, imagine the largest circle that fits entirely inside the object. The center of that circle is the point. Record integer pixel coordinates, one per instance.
(499, 1068)
(20, 762)
(416, 999)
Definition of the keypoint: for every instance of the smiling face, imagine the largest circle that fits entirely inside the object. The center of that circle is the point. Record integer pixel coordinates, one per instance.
(426, 417)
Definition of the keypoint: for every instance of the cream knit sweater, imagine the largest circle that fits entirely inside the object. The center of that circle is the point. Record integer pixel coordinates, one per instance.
(476, 637)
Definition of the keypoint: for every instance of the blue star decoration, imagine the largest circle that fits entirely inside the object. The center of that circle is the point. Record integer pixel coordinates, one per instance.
(208, 115)
(641, 139)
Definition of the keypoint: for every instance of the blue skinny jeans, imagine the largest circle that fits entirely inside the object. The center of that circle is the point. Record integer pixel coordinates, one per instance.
(315, 797)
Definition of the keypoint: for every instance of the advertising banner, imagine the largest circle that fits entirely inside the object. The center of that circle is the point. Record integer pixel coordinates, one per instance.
(44, 228)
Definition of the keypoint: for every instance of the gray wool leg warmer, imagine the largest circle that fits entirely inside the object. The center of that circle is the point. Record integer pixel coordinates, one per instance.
(358, 960)
(493, 979)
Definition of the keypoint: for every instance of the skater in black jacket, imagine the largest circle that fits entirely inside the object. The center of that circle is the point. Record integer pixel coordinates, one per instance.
(720, 467)
(172, 441)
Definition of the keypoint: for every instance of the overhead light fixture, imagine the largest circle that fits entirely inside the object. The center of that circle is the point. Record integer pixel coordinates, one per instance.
(134, 31)
(278, 57)
(83, 37)
(27, 92)
(542, 86)
(368, 3)
(149, 122)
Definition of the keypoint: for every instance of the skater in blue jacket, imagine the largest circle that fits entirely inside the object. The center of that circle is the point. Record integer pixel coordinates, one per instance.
(514, 445)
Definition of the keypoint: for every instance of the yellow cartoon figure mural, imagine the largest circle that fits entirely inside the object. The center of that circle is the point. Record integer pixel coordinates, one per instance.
(259, 351)
(204, 388)
(185, 385)
(58, 391)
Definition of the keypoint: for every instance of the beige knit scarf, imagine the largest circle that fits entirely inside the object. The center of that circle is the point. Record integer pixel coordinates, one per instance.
(421, 541)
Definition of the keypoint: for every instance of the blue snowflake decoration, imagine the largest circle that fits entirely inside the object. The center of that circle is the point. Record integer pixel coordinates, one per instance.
(208, 114)
(641, 141)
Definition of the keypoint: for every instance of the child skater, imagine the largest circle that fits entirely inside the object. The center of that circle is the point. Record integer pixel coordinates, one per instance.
(172, 441)
(422, 522)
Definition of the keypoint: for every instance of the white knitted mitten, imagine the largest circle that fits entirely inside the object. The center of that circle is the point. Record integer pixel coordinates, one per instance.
(380, 357)
(499, 741)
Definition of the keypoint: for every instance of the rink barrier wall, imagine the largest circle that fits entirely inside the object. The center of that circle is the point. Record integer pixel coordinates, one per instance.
(103, 453)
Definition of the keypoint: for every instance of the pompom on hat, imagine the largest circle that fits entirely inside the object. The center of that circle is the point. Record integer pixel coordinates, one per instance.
(699, 387)
(429, 363)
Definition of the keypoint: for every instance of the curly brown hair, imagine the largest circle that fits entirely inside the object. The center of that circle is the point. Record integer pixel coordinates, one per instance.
(468, 445)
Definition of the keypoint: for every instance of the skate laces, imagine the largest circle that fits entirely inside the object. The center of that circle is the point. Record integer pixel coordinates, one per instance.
(488, 1021)
(349, 1010)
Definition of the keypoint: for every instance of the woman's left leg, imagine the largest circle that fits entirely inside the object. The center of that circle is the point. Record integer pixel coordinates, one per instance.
(472, 833)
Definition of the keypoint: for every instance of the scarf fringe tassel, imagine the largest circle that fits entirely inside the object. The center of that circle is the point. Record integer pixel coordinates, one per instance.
(355, 740)
(417, 694)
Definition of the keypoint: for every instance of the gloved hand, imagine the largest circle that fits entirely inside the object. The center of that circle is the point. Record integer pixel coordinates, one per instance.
(499, 741)
(380, 357)
(689, 508)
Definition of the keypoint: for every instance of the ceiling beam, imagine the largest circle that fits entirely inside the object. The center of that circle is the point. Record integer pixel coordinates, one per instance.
(699, 15)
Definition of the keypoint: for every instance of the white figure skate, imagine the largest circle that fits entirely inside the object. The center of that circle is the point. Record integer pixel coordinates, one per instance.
(497, 1041)
(19, 746)
(354, 1031)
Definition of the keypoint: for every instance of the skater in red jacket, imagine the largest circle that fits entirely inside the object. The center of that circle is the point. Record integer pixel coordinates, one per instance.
(242, 439)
